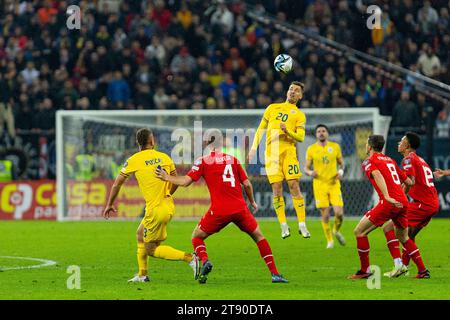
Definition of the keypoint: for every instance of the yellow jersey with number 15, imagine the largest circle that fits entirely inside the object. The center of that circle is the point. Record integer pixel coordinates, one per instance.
(324, 160)
(143, 164)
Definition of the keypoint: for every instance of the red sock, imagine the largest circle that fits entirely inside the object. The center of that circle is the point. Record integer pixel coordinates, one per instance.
(393, 244)
(200, 249)
(414, 254)
(266, 254)
(362, 244)
(405, 257)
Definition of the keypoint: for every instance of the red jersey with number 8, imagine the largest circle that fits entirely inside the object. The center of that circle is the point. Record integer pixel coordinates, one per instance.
(391, 173)
(423, 190)
(223, 175)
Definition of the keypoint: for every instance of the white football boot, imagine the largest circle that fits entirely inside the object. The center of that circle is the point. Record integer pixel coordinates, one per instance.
(340, 238)
(303, 230)
(397, 271)
(138, 278)
(285, 231)
(195, 265)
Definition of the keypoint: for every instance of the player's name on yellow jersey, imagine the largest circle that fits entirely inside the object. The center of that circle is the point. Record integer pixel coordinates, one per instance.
(324, 160)
(143, 164)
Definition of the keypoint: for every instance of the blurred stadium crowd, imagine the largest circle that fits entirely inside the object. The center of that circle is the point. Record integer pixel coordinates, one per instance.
(209, 55)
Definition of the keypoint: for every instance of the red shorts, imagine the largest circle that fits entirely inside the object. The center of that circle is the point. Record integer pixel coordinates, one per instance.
(384, 211)
(213, 222)
(419, 215)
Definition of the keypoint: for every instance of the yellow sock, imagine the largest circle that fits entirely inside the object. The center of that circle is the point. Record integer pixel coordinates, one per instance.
(299, 206)
(142, 259)
(337, 224)
(327, 231)
(278, 205)
(169, 253)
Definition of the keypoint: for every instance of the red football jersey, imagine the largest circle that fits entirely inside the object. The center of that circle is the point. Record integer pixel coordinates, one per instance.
(223, 175)
(423, 189)
(391, 173)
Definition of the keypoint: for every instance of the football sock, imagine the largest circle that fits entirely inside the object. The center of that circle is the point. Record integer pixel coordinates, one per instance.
(299, 205)
(266, 254)
(278, 205)
(405, 257)
(200, 249)
(169, 253)
(337, 223)
(393, 245)
(142, 259)
(414, 254)
(362, 244)
(327, 231)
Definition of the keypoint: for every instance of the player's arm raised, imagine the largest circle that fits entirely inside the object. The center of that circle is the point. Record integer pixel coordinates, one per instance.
(381, 183)
(183, 181)
(109, 209)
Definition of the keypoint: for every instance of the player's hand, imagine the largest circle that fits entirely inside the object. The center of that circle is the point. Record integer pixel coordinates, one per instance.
(109, 212)
(162, 174)
(250, 156)
(394, 202)
(438, 173)
(283, 127)
(340, 174)
(313, 174)
(254, 206)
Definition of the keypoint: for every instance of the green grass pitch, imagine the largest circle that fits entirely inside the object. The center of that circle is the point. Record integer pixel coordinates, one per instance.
(105, 253)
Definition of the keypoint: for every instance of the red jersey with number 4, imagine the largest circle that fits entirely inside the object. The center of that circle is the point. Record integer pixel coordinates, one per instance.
(423, 190)
(223, 175)
(391, 173)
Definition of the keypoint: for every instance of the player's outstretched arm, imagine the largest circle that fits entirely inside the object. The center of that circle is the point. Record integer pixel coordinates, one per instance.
(109, 209)
(381, 183)
(258, 135)
(439, 173)
(173, 187)
(183, 181)
(249, 192)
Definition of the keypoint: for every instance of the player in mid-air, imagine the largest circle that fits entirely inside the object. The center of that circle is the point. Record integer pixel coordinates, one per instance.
(159, 207)
(224, 175)
(424, 205)
(387, 179)
(325, 156)
(285, 125)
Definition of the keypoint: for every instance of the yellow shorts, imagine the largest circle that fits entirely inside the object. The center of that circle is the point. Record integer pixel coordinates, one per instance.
(326, 194)
(156, 219)
(284, 167)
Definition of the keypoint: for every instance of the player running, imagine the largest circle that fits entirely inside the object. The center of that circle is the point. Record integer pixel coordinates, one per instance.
(387, 179)
(424, 205)
(224, 175)
(285, 125)
(159, 207)
(325, 156)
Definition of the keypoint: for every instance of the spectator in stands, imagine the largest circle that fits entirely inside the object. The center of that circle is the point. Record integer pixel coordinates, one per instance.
(30, 73)
(406, 113)
(118, 90)
(427, 18)
(443, 124)
(222, 18)
(7, 123)
(44, 118)
(183, 62)
(429, 63)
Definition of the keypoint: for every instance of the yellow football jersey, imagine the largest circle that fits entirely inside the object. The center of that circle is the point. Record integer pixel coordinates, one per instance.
(324, 160)
(143, 164)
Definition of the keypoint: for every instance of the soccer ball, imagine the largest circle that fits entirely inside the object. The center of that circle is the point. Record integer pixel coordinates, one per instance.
(283, 63)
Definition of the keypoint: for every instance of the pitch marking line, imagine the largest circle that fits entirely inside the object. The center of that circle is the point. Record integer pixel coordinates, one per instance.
(44, 263)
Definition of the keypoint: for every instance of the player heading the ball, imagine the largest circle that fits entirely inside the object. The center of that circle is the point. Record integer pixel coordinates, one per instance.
(284, 124)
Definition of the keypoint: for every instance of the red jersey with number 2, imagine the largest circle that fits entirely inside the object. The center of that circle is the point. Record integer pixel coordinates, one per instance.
(223, 175)
(423, 190)
(391, 173)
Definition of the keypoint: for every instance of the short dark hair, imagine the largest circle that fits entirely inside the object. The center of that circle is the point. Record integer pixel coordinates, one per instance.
(298, 83)
(321, 125)
(376, 141)
(142, 136)
(413, 139)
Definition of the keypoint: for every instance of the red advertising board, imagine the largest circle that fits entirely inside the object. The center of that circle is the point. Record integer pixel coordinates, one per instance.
(36, 200)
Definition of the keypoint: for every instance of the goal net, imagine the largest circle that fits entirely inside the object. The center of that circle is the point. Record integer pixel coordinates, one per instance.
(93, 145)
